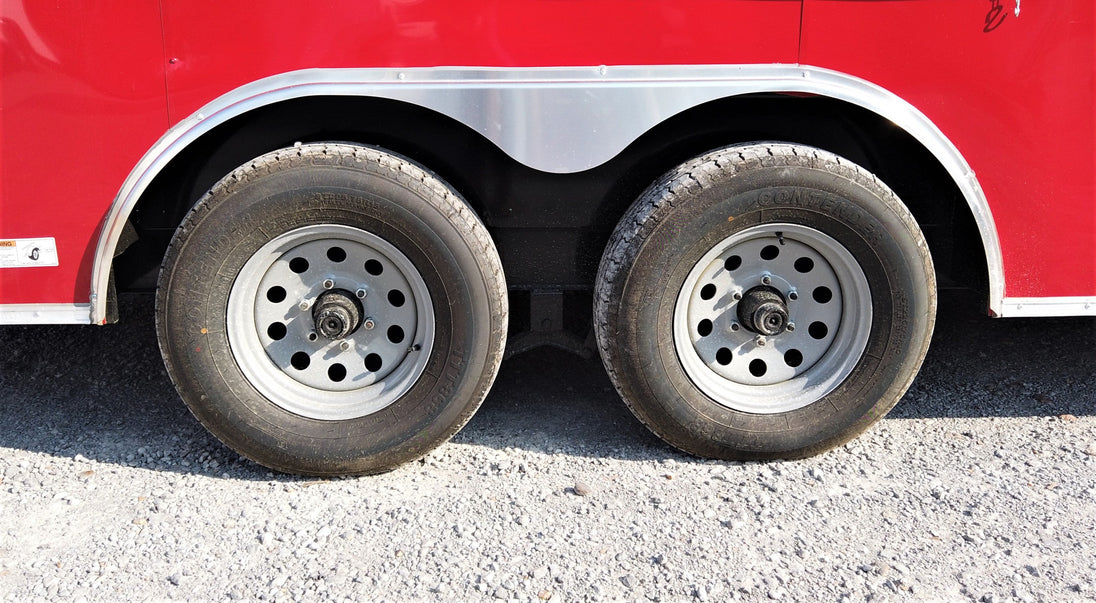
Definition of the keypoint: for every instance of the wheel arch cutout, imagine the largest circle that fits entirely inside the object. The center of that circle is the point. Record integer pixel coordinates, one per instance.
(554, 120)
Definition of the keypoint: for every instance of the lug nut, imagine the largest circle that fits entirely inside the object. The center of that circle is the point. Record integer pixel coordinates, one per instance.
(734, 326)
(369, 325)
(328, 284)
(760, 341)
(793, 295)
(345, 345)
(361, 293)
(791, 326)
(313, 336)
(766, 280)
(304, 305)
(737, 295)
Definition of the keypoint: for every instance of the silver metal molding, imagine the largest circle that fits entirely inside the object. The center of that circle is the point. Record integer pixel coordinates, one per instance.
(561, 120)
(31, 314)
(1020, 307)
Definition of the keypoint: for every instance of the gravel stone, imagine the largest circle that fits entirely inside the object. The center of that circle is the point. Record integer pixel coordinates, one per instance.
(970, 489)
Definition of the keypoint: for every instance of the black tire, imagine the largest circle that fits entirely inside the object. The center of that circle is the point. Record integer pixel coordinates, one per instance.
(241, 244)
(683, 351)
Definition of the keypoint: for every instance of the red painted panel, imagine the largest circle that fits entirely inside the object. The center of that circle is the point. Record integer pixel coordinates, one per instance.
(82, 99)
(220, 46)
(1016, 95)
(83, 84)
(82, 96)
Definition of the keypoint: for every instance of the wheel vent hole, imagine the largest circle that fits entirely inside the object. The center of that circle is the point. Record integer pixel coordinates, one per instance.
(396, 298)
(395, 334)
(373, 363)
(704, 329)
(769, 252)
(275, 295)
(818, 330)
(758, 368)
(723, 356)
(374, 267)
(708, 291)
(300, 361)
(822, 295)
(276, 331)
(732, 263)
(336, 254)
(336, 372)
(804, 265)
(298, 265)
(793, 358)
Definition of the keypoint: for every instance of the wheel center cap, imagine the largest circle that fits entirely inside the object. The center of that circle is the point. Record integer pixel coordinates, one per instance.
(337, 314)
(763, 311)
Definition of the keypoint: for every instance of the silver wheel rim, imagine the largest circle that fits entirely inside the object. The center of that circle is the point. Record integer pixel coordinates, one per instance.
(828, 312)
(274, 335)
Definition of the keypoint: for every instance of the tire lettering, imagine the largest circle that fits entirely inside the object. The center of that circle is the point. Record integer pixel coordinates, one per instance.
(450, 377)
(796, 197)
(821, 202)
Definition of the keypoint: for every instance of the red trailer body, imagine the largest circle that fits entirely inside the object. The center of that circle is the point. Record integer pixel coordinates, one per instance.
(548, 119)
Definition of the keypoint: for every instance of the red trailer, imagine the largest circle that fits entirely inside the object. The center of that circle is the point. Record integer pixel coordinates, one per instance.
(344, 208)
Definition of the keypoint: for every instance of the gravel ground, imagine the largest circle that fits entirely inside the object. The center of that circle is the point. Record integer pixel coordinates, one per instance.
(981, 485)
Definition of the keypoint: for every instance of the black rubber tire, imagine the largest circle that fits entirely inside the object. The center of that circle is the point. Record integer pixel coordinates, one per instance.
(375, 191)
(699, 204)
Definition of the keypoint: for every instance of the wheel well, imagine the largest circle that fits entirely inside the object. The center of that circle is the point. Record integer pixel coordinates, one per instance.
(551, 228)
(852, 132)
(400, 127)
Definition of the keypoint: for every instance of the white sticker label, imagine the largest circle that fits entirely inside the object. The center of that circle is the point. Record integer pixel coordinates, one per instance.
(25, 253)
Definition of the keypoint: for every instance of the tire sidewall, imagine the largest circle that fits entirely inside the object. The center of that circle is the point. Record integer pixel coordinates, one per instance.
(242, 218)
(847, 210)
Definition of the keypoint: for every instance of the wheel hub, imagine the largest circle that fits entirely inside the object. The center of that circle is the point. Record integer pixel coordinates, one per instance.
(772, 318)
(337, 314)
(763, 311)
(330, 322)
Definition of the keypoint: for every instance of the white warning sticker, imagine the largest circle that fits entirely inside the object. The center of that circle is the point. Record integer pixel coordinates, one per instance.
(26, 253)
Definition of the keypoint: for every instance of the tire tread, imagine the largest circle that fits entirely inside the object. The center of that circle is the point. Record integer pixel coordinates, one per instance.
(655, 205)
(379, 162)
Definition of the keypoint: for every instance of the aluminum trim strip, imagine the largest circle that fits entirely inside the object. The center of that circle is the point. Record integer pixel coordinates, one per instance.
(1024, 307)
(31, 314)
(561, 120)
